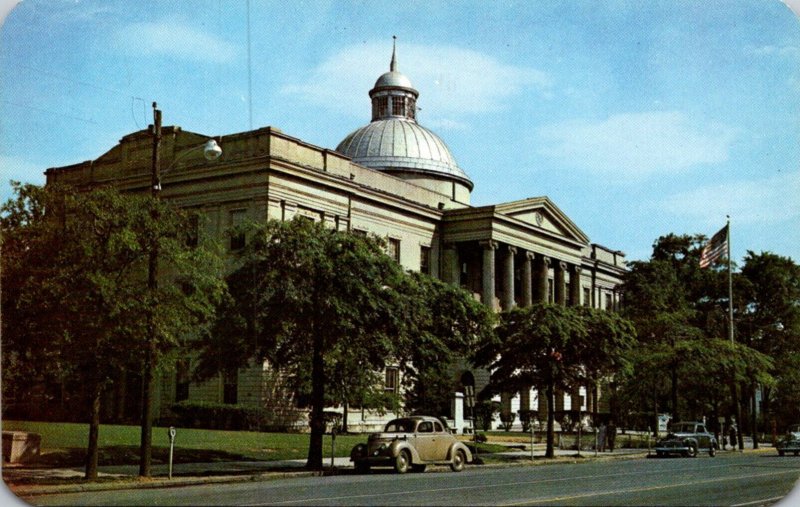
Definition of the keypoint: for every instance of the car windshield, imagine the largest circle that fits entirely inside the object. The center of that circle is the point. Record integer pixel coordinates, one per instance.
(682, 428)
(400, 426)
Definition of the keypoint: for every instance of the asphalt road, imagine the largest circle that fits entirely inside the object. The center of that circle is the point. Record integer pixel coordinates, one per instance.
(729, 479)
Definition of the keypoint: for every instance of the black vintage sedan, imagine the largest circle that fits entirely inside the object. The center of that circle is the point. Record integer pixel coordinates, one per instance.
(790, 442)
(687, 439)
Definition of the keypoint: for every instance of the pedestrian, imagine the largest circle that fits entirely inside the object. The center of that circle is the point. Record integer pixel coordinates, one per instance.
(732, 436)
(601, 438)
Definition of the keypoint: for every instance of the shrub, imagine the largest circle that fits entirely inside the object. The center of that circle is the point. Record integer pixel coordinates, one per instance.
(526, 417)
(222, 416)
(485, 411)
(507, 420)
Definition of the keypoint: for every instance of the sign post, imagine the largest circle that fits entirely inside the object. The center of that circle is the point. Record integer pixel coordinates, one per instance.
(171, 447)
(469, 398)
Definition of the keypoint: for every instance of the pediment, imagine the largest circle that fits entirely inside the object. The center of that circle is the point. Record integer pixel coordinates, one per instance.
(541, 212)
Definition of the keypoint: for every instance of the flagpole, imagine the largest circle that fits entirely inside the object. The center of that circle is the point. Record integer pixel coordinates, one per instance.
(730, 283)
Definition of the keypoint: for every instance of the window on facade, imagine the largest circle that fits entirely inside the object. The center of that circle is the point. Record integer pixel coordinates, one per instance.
(550, 289)
(392, 381)
(182, 380)
(238, 240)
(587, 296)
(380, 107)
(398, 106)
(230, 385)
(393, 248)
(359, 232)
(412, 109)
(193, 232)
(609, 301)
(425, 260)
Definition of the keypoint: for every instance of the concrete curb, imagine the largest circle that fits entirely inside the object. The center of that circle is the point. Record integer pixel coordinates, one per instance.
(517, 459)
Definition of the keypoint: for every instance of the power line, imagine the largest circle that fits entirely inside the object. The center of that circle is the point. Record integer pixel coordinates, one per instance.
(49, 111)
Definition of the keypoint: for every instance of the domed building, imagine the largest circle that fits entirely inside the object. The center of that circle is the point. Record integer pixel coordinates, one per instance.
(393, 178)
(394, 143)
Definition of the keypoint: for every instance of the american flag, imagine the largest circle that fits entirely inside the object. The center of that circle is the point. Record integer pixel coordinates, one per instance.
(715, 248)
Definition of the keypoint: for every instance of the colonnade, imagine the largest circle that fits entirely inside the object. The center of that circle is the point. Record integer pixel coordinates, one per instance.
(534, 280)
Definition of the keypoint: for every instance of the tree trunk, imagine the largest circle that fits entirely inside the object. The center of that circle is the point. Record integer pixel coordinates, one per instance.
(674, 394)
(317, 421)
(551, 418)
(94, 431)
(148, 390)
(345, 413)
(754, 420)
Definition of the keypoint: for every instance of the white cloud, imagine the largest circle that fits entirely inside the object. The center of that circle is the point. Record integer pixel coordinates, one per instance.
(764, 201)
(174, 40)
(452, 81)
(779, 50)
(631, 145)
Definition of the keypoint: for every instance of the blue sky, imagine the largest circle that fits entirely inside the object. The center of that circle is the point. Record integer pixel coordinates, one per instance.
(636, 118)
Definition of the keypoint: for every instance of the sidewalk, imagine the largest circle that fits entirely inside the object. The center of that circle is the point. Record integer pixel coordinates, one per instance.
(31, 480)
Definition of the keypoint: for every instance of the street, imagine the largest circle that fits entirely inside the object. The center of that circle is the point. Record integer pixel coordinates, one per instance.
(728, 479)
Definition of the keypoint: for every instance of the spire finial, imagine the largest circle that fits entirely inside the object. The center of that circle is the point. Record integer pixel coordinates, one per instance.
(393, 64)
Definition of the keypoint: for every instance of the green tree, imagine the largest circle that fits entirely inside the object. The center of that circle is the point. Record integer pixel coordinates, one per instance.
(768, 320)
(75, 285)
(540, 345)
(446, 323)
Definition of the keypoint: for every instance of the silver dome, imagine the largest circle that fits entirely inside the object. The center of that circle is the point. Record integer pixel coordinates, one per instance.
(393, 79)
(401, 145)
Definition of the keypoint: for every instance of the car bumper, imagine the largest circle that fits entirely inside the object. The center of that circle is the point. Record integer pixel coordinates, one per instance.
(377, 461)
(672, 449)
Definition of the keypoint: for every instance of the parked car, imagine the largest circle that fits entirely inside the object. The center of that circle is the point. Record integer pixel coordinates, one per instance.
(789, 442)
(687, 439)
(411, 443)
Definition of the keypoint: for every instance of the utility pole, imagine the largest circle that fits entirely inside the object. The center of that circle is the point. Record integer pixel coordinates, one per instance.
(148, 374)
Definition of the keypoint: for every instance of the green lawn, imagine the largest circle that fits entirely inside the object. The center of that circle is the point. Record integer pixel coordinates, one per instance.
(65, 443)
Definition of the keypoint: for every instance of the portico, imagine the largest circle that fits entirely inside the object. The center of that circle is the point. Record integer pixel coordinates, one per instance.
(517, 254)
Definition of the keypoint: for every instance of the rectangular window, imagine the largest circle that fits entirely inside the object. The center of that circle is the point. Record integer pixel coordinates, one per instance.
(392, 381)
(359, 232)
(587, 296)
(398, 106)
(382, 106)
(393, 248)
(238, 240)
(230, 384)
(425, 260)
(550, 289)
(609, 301)
(181, 380)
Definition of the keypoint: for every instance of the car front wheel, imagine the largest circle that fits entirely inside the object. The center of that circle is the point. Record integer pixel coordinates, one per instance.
(692, 451)
(459, 460)
(402, 462)
(712, 451)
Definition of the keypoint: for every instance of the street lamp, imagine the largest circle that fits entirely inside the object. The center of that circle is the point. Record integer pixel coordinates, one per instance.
(211, 151)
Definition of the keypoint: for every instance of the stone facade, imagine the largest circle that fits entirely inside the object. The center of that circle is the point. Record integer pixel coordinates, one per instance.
(508, 254)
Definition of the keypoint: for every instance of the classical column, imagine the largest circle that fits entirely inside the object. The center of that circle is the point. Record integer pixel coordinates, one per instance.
(508, 278)
(542, 276)
(559, 285)
(527, 279)
(575, 285)
(451, 272)
(487, 295)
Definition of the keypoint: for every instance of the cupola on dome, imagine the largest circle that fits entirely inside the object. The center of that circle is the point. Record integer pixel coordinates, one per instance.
(395, 143)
